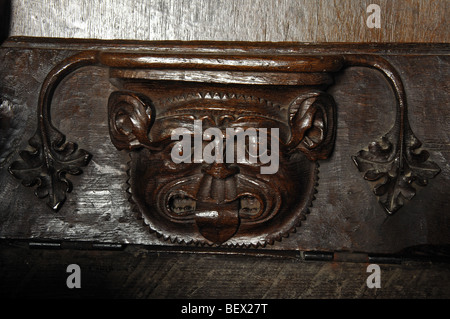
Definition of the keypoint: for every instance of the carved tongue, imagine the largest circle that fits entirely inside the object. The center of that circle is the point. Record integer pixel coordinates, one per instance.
(216, 222)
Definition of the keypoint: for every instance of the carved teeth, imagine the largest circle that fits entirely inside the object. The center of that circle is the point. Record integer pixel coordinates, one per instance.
(249, 206)
(180, 204)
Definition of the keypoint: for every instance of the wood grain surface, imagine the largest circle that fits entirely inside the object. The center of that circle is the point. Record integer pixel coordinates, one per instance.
(233, 20)
(138, 273)
(345, 216)
(135, 271)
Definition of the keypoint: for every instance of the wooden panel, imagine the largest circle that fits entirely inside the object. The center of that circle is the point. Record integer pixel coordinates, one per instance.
(138, 273)
(345, 214)
(234, 20)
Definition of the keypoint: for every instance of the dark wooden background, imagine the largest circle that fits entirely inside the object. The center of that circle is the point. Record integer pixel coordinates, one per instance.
(337, 222)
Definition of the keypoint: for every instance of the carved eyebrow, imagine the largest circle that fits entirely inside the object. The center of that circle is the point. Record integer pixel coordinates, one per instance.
(237, 119)
(258, 116)
(175, 116)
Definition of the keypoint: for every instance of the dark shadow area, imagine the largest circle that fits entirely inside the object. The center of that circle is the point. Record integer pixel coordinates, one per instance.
(5, 19)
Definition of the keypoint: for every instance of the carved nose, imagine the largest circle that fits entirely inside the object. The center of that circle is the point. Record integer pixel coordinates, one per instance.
(221, 170)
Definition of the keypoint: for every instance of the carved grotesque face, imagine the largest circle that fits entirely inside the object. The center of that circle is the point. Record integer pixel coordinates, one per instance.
(248, 193)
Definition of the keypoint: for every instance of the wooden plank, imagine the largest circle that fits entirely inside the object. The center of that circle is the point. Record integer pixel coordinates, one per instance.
(345, 211)
(137, 273)
(234, 20)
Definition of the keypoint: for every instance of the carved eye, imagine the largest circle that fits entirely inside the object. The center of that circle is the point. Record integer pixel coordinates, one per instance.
(183, 155)
(260, 151)
(169, 164)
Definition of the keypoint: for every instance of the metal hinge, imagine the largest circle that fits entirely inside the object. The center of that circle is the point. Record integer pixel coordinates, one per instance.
(441, 255)
(74, 245)
(344, 256)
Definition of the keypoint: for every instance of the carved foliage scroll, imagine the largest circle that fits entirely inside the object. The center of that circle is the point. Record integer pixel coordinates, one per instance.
(50, 158)
(396, 164)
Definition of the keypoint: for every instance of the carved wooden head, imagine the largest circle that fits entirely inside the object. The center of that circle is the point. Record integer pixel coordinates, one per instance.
(213, 160)
(223, 198)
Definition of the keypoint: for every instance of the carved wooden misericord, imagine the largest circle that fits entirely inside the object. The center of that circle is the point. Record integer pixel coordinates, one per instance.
(227, 202)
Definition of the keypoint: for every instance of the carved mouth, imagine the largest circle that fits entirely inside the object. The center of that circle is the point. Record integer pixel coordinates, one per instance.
(183, 205)
(242, 210)
(214, 209)
(216, 221)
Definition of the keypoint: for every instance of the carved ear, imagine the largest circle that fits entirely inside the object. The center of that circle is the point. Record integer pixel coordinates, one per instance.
(312, 123)
(130, 117)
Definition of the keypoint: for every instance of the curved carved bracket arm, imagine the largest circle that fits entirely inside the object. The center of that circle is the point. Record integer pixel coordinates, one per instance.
(394, 164)
(51, 157)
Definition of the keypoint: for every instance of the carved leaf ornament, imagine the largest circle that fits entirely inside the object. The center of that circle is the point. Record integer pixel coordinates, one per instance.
(394, 170)
(47, 165)
(395, 164)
